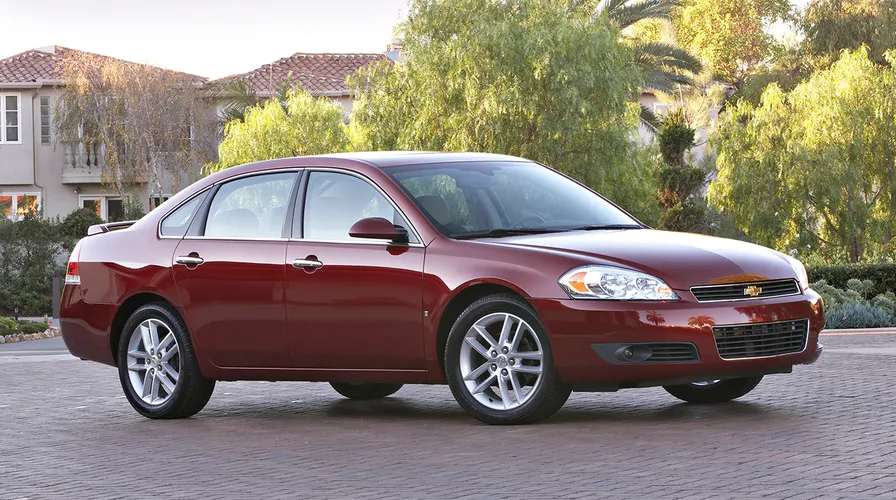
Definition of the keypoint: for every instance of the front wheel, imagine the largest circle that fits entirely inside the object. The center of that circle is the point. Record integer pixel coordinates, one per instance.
(713, 391)
(365, 391)
(157, 366)
(499, 365)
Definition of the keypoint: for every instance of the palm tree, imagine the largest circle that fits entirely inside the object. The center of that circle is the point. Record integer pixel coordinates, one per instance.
(666, 67)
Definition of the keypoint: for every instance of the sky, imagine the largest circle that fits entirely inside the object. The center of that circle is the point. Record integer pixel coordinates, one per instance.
(204, 37)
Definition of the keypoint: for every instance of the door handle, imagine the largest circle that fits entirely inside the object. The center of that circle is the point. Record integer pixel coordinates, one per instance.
(307, 264)
(189, 260)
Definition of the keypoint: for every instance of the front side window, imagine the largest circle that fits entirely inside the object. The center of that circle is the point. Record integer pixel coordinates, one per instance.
(251, 207)
(10, 110)
(334, 202)
(470, 199)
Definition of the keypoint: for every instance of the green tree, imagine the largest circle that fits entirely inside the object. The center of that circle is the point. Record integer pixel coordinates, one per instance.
(680, 182)
(531, 78)
(831, 26)
(300, 125)
(814, 170)
(730, 36)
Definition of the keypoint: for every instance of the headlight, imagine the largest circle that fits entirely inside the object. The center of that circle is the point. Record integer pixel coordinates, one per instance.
(801, 275)
(613, 283)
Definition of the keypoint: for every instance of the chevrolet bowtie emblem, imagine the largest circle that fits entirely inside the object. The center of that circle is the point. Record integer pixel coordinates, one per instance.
(752, 291)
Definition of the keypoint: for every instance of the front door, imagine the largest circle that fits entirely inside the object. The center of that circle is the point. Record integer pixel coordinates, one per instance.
(230, 276)
(351, 303)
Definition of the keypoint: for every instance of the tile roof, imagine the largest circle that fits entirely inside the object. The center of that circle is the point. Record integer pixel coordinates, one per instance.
(40, 65)
(319, 74)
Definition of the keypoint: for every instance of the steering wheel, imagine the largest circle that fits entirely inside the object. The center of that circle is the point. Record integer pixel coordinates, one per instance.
(535, 218)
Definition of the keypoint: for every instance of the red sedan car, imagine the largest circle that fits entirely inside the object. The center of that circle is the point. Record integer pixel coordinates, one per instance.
(501, 277)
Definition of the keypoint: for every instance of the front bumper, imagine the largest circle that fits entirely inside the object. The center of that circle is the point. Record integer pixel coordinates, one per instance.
(578, 328)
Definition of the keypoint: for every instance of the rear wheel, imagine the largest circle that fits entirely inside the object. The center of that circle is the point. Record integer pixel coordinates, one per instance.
(365, 391)
(157, 366)
(713, 391)
(499, 365)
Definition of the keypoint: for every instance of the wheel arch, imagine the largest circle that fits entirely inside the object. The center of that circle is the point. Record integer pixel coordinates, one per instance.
(125, 311)
(460, 301)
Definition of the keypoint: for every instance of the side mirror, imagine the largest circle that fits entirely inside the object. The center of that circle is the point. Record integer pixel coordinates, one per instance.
(378, 228)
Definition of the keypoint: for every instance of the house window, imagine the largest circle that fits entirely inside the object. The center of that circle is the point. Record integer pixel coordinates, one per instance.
(155, 201)
(14, 206)
(108, 208)
(45, 120)
(10, 110)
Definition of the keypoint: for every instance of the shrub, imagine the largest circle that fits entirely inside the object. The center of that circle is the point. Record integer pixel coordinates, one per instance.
(30, 251)
(882, 275)
(28, 327)
(76, 223)
(8, 326)
(858, 315)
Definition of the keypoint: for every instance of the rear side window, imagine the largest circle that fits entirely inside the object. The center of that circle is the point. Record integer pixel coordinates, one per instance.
(178, 221)
(251, 207)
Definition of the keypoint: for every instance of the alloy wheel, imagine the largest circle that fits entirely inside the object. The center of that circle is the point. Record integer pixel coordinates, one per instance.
(501, 361)
(153, 362)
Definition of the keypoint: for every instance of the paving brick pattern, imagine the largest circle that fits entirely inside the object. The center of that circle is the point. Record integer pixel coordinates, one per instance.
(826, 431)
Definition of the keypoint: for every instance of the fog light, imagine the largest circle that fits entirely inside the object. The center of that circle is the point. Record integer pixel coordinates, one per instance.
(628, 353)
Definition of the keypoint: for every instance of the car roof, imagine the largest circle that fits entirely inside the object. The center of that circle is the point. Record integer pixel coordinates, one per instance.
(385, 159)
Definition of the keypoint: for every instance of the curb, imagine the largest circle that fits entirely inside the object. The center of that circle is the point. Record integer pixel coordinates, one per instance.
(23, 337)
(860, 331)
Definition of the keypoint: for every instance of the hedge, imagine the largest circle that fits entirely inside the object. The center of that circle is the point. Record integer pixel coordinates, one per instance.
(883, 276)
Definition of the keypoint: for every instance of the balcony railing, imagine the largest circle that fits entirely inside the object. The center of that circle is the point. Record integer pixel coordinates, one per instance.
(82, 162)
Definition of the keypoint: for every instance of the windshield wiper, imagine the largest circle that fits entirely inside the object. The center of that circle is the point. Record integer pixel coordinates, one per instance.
(598, 227)
(487, 233)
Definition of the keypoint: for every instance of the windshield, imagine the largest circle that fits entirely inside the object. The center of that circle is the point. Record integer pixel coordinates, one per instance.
(494, 198)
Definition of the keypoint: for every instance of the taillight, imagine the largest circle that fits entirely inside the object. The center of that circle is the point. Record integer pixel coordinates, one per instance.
(73, 271)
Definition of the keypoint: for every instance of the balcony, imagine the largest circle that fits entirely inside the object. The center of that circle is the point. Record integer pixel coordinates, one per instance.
(83, 163)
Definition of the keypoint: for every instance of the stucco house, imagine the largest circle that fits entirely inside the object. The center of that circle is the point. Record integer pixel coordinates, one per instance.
(39, 174)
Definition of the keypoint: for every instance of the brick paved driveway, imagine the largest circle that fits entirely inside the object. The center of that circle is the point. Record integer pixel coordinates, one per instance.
(827, 431)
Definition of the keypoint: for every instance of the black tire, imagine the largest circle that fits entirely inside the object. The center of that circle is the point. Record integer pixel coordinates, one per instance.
(192, 391)
(720, 392)
(551, 394)
(365, 391)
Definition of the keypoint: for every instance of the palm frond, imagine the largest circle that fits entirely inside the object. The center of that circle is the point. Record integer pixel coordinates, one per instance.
(649, 119)
(624, 13)
(665, 66)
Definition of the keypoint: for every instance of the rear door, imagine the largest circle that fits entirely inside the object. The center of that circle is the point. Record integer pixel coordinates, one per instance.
(230, 267)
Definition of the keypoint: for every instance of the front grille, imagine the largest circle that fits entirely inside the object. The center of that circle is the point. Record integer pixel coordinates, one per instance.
(671, 352)
(761, 339)
(745, 291)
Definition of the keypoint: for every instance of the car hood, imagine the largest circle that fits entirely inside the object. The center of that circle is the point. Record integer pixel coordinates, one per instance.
(681, 260)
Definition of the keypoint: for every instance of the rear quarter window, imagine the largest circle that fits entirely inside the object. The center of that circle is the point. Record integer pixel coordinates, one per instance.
(177, 222)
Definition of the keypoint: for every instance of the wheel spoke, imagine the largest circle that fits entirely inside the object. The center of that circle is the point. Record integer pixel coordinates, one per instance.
(479, 347)
(154, 334)
(485, 384)
(505, 394)
(485, 335)
(517, 336)
(137, 366)
(147, 338)
(168, 340)
(168, 383)
(170, 353)
(175, 375)
(138, 354)
(505, 330)
(154, 391)
(147, 384)
(473, 375)
(527, 369)
(536, 355)
(517, 388)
